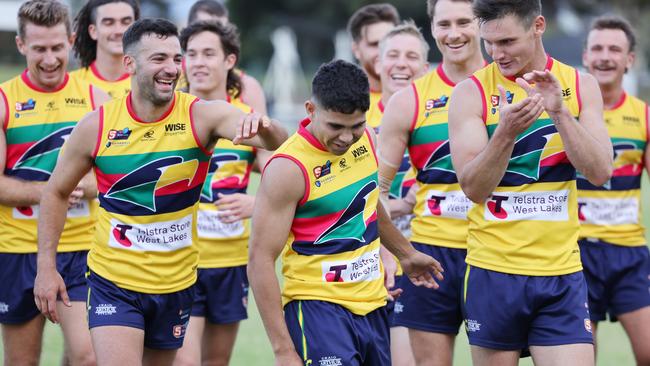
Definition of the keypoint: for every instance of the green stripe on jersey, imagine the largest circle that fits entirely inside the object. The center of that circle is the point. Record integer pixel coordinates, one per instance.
(123, 164)
(21, 135)
(426, 134)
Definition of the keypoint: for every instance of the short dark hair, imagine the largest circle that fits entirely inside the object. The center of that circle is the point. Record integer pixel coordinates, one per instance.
(162, 28)
(229, 39)
(85, 48)
(212, 7)
(44, 13)
(431, 6)
(371, 14)
(525, 10)
(615, 22)
(340, 86)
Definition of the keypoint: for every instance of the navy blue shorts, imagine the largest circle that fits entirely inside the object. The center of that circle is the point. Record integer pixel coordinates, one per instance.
(163, 317)
(618, 278)
(325, 333)
(429, 310)
(510, 312)
(390, 305)
(221, 294)
(17, 275)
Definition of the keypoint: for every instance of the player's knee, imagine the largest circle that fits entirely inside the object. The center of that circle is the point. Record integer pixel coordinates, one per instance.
(183, 359)
(82, 357)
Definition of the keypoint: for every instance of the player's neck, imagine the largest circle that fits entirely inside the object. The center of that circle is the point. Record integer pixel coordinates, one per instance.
(460, 71)
(144, 109)
(215, 94)
(375, 84)
(37, 84)
(612, 95)
(108, 66)
(538, 62)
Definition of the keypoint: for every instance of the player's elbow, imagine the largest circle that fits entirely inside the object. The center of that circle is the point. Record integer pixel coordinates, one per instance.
(600, 175)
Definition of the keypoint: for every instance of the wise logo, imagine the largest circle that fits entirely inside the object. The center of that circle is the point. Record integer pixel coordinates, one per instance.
(495, 100)
(351, 224)
(142, 187)
(29, 105)
(39, 160)
(216, 162)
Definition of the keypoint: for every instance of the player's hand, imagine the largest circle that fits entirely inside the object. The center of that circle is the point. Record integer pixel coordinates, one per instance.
(251, 125)
(75, 197)
(516, 118)
(289, 358)
(235, 207)
(421, 269)
(545, 84)
(390, 269)
(49, 286)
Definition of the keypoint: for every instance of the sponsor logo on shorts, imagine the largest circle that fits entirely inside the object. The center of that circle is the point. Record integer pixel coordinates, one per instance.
(330, 361)
(399, 307)
(588, 325)
(178, 331)
(472, 325)
(608, 211)
(105, 309)
(164, 236)
(537, 206)
(363, 268)
(4, 308)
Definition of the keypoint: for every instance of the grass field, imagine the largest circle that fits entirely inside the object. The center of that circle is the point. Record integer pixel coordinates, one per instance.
(252, 347)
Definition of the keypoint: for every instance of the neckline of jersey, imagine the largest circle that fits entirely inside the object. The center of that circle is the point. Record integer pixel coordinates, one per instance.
(25, 78)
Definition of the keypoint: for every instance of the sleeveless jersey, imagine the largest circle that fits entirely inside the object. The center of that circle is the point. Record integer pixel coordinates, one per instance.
(115, 89)
(529, 225)
(37, 123)
(613, 212)
(441, 206)
(221, 244)
(149, 178)
(332, 252)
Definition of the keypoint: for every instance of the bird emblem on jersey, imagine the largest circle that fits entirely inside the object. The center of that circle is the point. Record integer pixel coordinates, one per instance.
(40, 159)
(217, 161)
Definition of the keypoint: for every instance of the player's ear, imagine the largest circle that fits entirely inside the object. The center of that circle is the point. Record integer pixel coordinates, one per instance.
(128, 62)
(310, 108)
(20, 44)
(539, 25)
(630, 61)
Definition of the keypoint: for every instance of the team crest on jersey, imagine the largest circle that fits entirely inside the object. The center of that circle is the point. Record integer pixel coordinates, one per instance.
(436, 103)
(41, 157)
(323, 170)
(140, 187)
(496, 100)
(122, 134)
(217, 161)
(29, 105)
(351, 220)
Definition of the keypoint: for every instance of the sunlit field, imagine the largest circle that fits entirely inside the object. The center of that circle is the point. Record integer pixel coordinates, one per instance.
(252, 347)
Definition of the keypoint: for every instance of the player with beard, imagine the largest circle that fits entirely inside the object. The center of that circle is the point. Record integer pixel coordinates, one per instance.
(440, 225)
(613, 246)
(150, 152)
(211, 50)
(519, 129)
(99, 27)
(40, 109)
(402, 59)
(367, 26)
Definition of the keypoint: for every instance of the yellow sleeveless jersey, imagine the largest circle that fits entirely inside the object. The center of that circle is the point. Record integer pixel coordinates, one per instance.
(224, 244)
(441, 206)
(149, 178)
(37, 123)
(332, 252)
(529, 225)
(613, 212)
(115, 89)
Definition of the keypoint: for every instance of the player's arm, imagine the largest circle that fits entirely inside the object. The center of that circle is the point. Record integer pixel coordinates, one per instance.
(281, 188)
(480, 162)
(14, 192)
(646, 154)
(76, 162)
(218, 119)
(99, 97)
(393, 141)
(253, 93)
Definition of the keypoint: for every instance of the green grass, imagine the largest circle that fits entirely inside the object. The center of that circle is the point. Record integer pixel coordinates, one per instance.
(252, 347)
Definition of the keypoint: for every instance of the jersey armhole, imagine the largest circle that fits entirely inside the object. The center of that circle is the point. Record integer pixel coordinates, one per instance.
(483, 100)
(92, 96)
(302, 169)
(417, 107)
(647, 123)
(196, 137)
(578, 96)
(99, 132)
(372, 146)
(5, 124)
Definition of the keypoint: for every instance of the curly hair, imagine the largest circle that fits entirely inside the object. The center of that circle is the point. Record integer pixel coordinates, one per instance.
(229, 39)
(85, 48)
(340, 86)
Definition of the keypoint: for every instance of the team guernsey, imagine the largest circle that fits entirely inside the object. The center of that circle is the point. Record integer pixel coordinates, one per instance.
(149, 178)
(115, 89)
(441, 206)
(529, 225)
(332, 253)
(224, 244)
(612, 212)
(37, 123)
